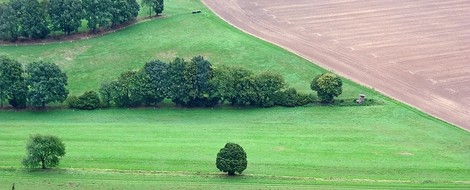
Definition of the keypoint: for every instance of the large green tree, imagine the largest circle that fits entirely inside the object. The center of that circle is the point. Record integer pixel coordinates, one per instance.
(123, 11)
(156, 82)
(198, 76)
(125, 90)
(9, 24)
(190, 82)
(179, 89)
(106, 93)
(267, 84)
(97, 13)
(12, 84)
(231, 159)
(32, 18)
(234, 84)
(328, 86)
(46, 83)
(66, 15)
(43, 150)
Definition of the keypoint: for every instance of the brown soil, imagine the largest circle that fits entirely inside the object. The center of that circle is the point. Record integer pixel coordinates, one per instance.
(415, 51)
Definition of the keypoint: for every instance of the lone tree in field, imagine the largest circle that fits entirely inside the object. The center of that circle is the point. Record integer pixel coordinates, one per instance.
(44, 151)
(231, 159)
(328, 86)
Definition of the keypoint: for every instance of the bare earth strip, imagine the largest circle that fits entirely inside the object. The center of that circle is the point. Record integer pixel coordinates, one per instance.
(415, 51)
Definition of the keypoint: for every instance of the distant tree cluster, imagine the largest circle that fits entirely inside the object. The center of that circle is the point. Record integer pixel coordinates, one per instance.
(41, 83)
(33, 19)
(196, 83)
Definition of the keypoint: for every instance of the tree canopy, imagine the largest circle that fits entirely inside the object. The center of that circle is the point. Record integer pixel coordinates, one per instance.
(32, 19)
(97, 13)
(156, 5)
(66, 15)
(231, 159)
(46, 82)
(9, 24)
(43, 150)
(328, 86)
(11, 79)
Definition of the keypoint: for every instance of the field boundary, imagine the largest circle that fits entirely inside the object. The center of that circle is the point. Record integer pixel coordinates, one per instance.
(216, 175)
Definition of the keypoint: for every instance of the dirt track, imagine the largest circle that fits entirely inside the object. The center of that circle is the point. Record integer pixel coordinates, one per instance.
(415, 51)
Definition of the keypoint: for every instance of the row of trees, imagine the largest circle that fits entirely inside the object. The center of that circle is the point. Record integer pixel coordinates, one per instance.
(32, 19)
(41, 83)
(195, 83)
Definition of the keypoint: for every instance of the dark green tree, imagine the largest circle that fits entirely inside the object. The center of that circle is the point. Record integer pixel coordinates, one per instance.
(106, 94)
(18, 100)
(89, 100)
(159, 7)
(291, 98)
(190, 82)
(328, 86)
(231, 159)
(125, 90)
(267, 84)
(32, 19)
(97, 13)
(156, 5)
(46, 82)
(9, 24)
(12, 83)
(156, 85)
(123, 11)
(233, 84)
(66, 15)
(43, 150)
(179, 88)
(198, 76)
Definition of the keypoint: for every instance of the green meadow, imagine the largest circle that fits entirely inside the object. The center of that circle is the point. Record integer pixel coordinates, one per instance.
(384, 146)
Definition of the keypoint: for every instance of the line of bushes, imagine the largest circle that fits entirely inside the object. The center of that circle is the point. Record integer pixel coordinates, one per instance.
(194, 83)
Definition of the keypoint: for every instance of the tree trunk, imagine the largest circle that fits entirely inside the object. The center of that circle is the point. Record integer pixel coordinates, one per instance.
(43, 163)
(231, 173)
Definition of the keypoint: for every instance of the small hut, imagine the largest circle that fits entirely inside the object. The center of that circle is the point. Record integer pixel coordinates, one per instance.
(361, 99)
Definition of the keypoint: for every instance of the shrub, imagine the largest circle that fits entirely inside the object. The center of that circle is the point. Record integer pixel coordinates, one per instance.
(231, 159)
(72, 102)
(291, 98)
(90, 100)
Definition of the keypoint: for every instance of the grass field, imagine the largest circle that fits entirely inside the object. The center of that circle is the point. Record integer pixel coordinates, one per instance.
(298, 146)
(386, 146)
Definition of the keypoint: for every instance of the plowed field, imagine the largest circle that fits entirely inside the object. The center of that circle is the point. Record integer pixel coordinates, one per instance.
(415, 51)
